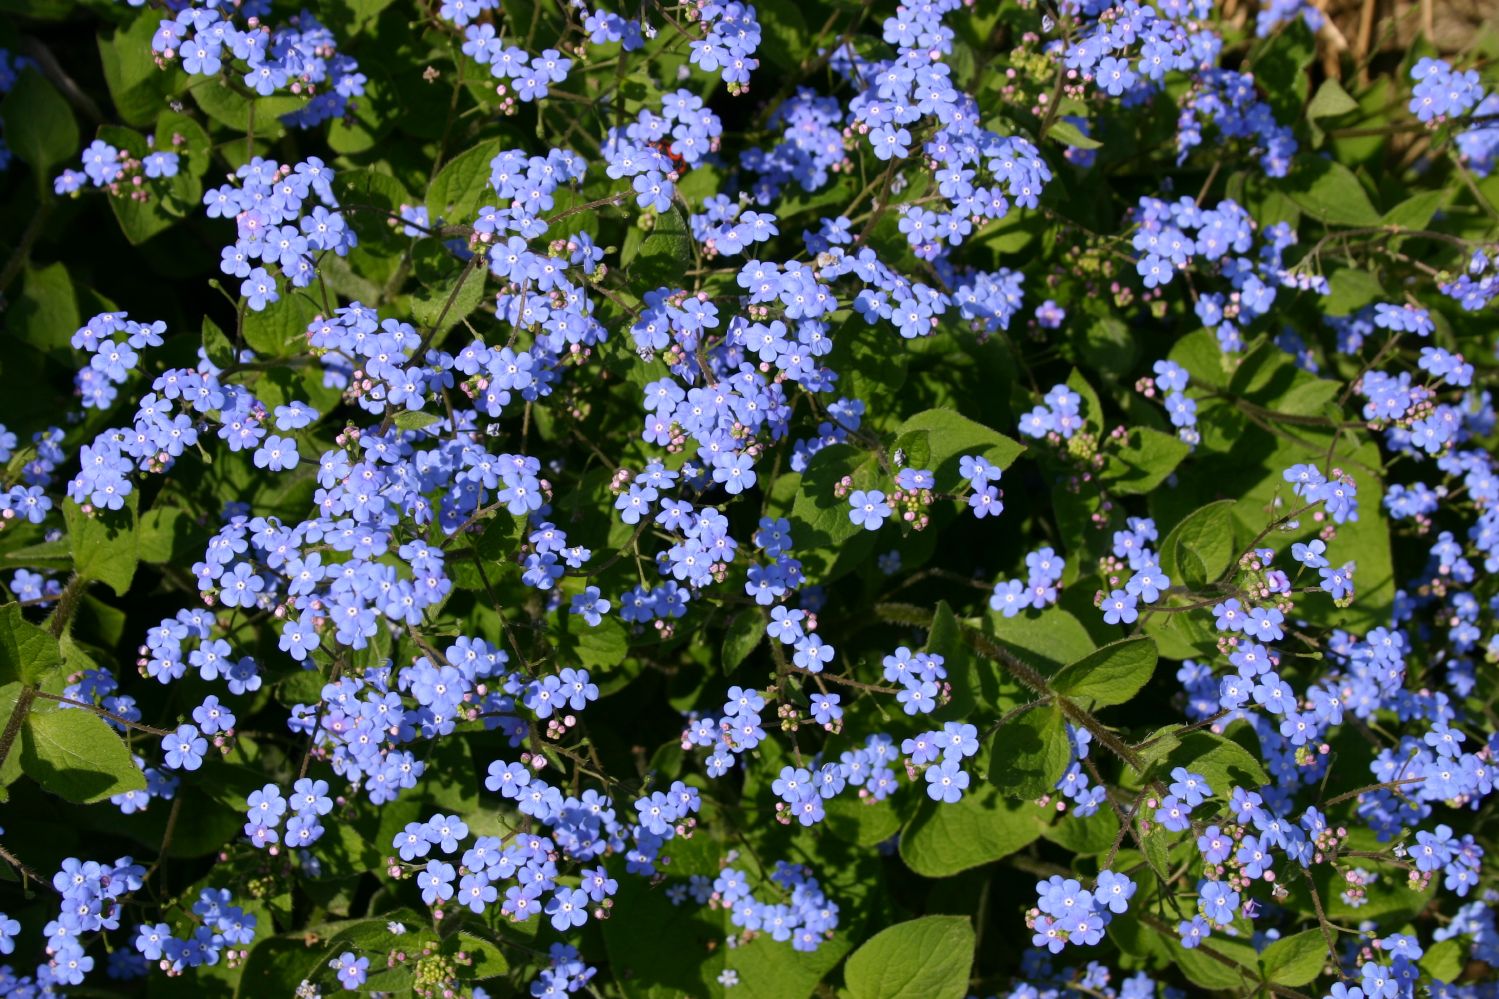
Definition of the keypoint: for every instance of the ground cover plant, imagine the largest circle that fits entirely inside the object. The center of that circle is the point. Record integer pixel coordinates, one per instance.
(535, 497)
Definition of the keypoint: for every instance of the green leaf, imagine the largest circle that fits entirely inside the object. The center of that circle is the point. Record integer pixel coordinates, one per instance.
(1280, 68)
(1049, 638)
(948, 436)
(865, 822)
(1093, 834)
(39, 125)
(414, 419)
(1224, 763)
(43, 555)
(1329, 101)
(1030, 753)
(223, 104)
(743, 635)
(1112, 675)
(598, 648)
(1444, 959)
(216, 344)
(1416, 212)
(1307, 396)
(666, 951)
(1069, 134)
(1092, 408)
(662, 255)
(359, 14)
(27, 653)
(168, 535)
(819, 517)
(1108, 343)
(1209, 972)
(280, 329)
(274, 968)
(105, 545)
(1296, 959)
(486, 959)
(74, 754)
(926, 958)
(45, 313)
(137, 86)
(943, 839)
(1350, 289)
(461, 187)
(1200, 548)
(180, 132)
(1141, 465)
(444, 304)
(862, 357)
(165, 199)
(1330, 192)
(788, 38)
(370, 190)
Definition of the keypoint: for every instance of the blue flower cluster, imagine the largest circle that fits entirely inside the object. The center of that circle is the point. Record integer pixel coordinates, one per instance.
(1127, 49)
(115, 170)
(1227, 101)
(426, 483)
(285, 217)
(91, 899)
(1067, 913)
(1173, 236)
(115, 341)
(802, 914)
(299, 58)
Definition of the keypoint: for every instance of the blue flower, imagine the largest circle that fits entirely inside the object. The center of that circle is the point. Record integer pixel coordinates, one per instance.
(946, 781)
(868, 509)
(184, 748)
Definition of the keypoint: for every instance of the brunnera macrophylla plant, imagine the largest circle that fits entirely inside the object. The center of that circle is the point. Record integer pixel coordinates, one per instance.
(705, 498)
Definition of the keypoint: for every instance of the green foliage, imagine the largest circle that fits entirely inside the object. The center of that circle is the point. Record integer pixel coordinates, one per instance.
(1200, 548)
(1295, 960)
(1030, 753)
(39, 124)
(1384, 209)
(741, 638)
(1111, 675)
(985, 826)
(74, 754)
(27, 653)
(105, 543)
(926, 958)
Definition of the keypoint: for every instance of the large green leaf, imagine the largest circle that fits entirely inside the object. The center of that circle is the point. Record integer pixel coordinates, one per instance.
(819, 517)
(74, 754)
(461, 187)
(105, 544)
(1111, 675)
(744, 633)
(1329, 190)
(1030, 753)
(39, 125)
(936, 439)
(926, 958)
(662, 255)
(1224, 763)
(984, 826)
(1144, 462)
(1296, 959)
(27, 653)
(665, 951)
(1200, 548)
